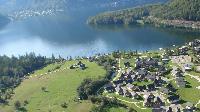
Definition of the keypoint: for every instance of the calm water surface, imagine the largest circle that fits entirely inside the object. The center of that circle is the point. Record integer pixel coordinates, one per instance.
(67, 34)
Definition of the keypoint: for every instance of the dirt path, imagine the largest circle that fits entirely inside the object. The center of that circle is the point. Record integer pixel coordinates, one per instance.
(192, 76)
(119, 71)
(135, 103)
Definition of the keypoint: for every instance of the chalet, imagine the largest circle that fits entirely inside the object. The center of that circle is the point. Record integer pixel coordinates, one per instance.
(129, 81)
(82, 66)
(138, 63)
(165, 58)
(170, 87)
(169, 109)
(149, 102)
(133, 77)
(158, 110)
(124, 90)
(151, 87)
(177, 72)
(158, 102)
(151, 62)
(127, 64)
(188, 67)
(109, 88)
(135, 95)
(135, 88)
(183, 50)
(72, 67)
(119, 90)
(142, 88)
(164, 90)
(129, 87)
(141, 72)
(173, 98)
(197, 49)
(180, 82)
(143, 63)
(128, 94)
(151, 97)
(118, 82)
(161, 70)
(190, 106)
(195, 43)
(150, 77)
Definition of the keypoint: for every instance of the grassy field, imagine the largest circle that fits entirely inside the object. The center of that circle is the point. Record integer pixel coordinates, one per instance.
(60, 87)
(129, 103)
(191, 94)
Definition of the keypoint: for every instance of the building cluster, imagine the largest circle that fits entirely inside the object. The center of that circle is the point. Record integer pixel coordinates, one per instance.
(127, 84)
(196, 48)
(178, 74)
(80, 65)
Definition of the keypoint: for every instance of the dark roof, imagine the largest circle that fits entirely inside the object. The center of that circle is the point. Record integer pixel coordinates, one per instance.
(174, 97)
(158, 110)
(164, 90)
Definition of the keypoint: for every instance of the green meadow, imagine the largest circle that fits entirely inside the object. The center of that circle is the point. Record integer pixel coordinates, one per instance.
(60, 87)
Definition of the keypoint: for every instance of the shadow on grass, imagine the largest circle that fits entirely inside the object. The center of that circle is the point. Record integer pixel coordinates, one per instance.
(188, 85)
(182, 102)
(22, 109)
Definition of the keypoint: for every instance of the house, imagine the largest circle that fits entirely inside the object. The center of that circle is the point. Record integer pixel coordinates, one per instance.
(109, 87)
(119, 90)
(180, 82)
(158, 102)
(127, 64)
(150, 77)
(173, 98)
(135, 95)
(141, 72)
(129, 87)
(118, 82)
(195, 43)
(171, 88)
(142, 88)
(165, 58)
(151, 87)
(190, 106)
(135, 88)
(149, 102)
(197, 49)
(124, 91)
(72, 67)
(151, 62)
(143, 63)
(188, 67)
(158, 110)
(128, 94)
(138, 63)
(82, 66)
(169, 109)
(164, 90)
(151, 97)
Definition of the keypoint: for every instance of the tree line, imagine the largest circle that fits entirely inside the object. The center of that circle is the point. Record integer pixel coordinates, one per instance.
(172, 10)
(14, 69)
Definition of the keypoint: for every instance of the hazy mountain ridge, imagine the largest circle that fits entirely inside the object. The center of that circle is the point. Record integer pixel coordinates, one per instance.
(181, 13)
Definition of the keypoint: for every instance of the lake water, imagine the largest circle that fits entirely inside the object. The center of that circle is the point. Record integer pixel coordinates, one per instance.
(67, 34)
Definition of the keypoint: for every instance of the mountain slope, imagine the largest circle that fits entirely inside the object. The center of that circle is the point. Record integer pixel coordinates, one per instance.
(180, 9)
(185, 10)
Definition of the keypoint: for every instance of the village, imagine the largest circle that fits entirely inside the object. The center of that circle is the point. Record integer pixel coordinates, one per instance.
(156, 80)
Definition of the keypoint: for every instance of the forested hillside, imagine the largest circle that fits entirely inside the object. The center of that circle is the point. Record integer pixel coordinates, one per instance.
(13, 70)
(173, 10)
(180, 9)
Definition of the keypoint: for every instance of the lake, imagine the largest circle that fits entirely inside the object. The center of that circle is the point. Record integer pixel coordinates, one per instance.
(67, 34)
